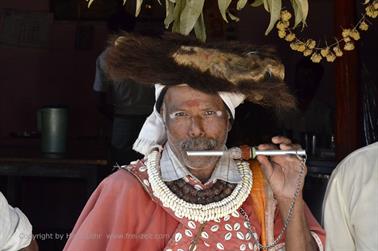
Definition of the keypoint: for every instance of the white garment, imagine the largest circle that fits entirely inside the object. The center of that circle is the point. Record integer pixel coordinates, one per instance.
(351, 203)
(15, 228)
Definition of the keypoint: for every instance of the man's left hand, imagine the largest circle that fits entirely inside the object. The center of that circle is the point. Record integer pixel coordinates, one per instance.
(282, 171)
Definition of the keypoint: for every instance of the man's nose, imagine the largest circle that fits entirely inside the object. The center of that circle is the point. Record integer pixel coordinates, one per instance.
(196, 128)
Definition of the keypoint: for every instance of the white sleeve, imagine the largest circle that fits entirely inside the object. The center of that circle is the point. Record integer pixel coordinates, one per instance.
(351, 204)
(16, 230)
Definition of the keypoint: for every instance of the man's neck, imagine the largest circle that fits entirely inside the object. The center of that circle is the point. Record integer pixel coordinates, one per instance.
(203, 175)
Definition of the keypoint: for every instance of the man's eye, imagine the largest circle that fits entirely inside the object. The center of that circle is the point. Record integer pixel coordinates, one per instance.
(178, 115)
(209, 113)
(212, 113)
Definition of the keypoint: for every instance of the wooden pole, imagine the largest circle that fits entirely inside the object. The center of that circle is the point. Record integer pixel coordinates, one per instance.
(347, 89)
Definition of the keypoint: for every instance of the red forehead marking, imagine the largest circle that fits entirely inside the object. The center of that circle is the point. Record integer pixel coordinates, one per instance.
(192, 102)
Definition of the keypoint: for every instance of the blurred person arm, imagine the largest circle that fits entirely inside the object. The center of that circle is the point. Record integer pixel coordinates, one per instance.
(101, 87)
(16, 230)
(350, 204)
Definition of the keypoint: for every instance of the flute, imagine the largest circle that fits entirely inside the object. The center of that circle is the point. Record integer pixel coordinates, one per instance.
(246, 152)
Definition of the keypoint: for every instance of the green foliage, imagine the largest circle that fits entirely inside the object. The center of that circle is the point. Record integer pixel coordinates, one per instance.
(185, 16)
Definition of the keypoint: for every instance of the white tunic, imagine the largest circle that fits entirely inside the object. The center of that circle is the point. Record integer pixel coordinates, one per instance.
(15, 228)
(351, 202)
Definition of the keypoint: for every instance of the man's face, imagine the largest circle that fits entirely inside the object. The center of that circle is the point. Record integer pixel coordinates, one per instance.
(195, 121)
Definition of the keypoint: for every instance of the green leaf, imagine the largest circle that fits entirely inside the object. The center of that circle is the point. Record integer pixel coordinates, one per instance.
(189, 15)
(223, 6)
(169, 13)
(267, 6)
(257, 3)
(275, 12)
(200, 28)
(90, 3)
(303, 4)
(241, 4)
(297, 13)
(232, 17)
(138, 7)
(180, 4)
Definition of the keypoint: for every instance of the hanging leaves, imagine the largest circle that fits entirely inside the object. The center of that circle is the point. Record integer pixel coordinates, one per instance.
(184, 16)
(300, 11)
(190, 15)
(275, 12)
(169, 12)
(223, 6)
(257, 3)
(200, 29)
(241, 4)
(138, 7)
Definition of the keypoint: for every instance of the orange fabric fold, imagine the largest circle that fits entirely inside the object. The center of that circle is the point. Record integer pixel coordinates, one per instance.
(258, 197)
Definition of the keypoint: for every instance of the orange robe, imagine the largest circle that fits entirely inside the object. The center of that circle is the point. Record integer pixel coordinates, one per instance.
(123, 214)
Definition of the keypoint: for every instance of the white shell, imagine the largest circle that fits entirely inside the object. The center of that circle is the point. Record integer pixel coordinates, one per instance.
(228, 236)
(193, 248)
(191, 224)
(236, 226)
(243, 247)
(197, 187)
(226, 218)
(142, 169)
(250, 245)
(206, 244)
(146, 183)
(177, 214)
(188, 233)
(235, 214)
(255, 248)
(255, 235)
(248, 236)
(178, 237)
(240, 235)
(228, 227)
(220, 246)
(204, 235)
(214, 228)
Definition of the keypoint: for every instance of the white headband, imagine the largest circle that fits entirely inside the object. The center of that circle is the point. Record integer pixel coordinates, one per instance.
(153, 132)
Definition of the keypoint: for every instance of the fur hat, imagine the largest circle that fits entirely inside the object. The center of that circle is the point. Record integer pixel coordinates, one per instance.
(173, 59)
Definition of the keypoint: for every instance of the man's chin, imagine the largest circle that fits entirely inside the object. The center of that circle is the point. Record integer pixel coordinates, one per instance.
(199, 162)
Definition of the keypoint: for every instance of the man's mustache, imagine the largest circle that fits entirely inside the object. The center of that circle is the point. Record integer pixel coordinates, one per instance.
(198, 144)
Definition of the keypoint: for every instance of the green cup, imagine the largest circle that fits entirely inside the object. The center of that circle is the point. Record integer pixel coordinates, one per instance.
(52, 123)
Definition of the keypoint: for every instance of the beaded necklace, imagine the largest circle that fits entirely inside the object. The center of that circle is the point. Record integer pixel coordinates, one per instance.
(198, 212)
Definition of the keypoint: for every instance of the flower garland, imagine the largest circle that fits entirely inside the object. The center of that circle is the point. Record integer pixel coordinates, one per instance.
(199, 212)
(329, 52)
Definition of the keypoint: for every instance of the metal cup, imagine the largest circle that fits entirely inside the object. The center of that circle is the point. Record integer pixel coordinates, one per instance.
(52, 123)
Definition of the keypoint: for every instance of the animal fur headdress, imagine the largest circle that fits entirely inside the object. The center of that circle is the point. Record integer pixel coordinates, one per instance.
(174, 59)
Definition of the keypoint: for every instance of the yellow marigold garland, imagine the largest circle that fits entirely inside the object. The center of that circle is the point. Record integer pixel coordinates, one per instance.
(309, 47)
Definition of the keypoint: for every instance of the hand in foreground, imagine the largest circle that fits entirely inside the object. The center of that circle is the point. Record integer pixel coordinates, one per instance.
(282, 172)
